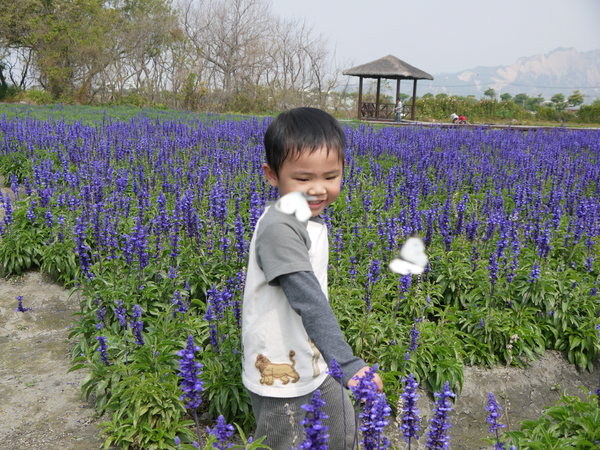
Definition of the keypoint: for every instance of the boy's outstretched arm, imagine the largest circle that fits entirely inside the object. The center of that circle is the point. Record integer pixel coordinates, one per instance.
(305, 296)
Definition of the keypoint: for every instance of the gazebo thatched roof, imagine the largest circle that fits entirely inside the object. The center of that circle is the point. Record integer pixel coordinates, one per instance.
(388, 67)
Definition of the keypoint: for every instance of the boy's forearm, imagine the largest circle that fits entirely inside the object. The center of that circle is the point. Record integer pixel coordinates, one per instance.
(306, 298)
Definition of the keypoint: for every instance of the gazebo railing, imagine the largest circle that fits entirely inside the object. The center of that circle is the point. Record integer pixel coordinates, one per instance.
(368, 111)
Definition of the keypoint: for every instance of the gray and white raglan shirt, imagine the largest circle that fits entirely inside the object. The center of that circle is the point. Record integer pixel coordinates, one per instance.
(289, 331)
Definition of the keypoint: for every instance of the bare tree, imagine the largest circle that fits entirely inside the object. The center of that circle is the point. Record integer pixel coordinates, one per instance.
(299, 61)
(231, 36)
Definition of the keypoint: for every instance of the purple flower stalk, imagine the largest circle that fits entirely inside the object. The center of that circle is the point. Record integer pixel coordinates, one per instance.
(535, 273)
(121, 314)
(49, 219)
(190, 370)
(374, 411)
(374, 271)
(374, 425)
(405, 282)
(102, 349)
(438, 437)
(495, 413)
(414, 336)
(222, 431)
(82, 249)
(410, 414)
(217, 303)
(100, 315)
(335, 370)
(8, 211)
(20, 307)
(137, 326)
(314, 430)
(31, 211)
(178, 303)
(352, 271)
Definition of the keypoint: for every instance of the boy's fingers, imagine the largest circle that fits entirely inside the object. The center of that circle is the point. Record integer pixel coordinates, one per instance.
(358, 375)
(379, 382)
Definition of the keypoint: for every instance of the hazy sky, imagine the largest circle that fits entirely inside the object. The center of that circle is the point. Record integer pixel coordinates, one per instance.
(447, 36)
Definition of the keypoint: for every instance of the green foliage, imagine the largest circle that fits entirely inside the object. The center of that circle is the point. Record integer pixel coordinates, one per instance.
(575, 99)
(147, 413)
(589, 113)
(558, 100)
(17, 163)
(35, 96)
(476, 111)
(224, 392)
(75, 40)
(554, 114)
(574, 423)
(58, 260)
(21, 250)
(133, 99)
(9, 93)
(490, 92)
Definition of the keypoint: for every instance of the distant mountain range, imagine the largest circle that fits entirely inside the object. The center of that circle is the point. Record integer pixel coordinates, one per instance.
(562, 70)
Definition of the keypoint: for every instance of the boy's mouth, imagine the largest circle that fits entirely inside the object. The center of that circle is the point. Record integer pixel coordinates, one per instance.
(314, 204)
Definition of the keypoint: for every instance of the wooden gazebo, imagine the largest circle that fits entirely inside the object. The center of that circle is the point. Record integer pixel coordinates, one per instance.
(391, 68)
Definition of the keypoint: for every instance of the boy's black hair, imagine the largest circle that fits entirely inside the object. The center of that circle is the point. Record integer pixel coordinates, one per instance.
(299, 130)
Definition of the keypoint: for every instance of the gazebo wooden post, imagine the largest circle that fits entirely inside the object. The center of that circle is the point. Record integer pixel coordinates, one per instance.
(377, 98)
(412, 108)
(397, 90)
(359, 103)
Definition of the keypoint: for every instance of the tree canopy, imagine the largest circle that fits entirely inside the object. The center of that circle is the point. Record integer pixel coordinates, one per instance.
(106, 49)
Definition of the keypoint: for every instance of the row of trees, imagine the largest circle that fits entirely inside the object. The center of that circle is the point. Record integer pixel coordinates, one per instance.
(557, 101)
(520, 109)
(505, 109)
(183, 53)
(216, 55)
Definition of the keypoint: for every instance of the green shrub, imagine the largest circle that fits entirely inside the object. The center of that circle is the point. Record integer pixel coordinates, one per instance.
(35, 96)
(589, 113)
(573, 423)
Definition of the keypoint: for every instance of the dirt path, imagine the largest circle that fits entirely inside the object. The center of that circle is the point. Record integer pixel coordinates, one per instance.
(40, 406)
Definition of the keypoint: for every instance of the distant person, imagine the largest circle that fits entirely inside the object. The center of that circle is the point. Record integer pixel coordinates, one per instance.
(398, 110)
(454, 117)
(462, 120)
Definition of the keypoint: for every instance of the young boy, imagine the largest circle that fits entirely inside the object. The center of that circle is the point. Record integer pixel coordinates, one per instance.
(289, 332)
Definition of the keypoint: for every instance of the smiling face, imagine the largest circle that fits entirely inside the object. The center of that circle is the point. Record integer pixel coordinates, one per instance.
(316, 173)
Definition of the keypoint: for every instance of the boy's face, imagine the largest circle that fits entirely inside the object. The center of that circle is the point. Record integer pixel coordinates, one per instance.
(317, 174)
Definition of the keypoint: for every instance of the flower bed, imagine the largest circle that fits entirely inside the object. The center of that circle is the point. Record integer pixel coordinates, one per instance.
(149, 220)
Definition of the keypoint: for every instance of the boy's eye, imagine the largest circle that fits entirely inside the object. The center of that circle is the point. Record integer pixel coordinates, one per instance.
(301, 179)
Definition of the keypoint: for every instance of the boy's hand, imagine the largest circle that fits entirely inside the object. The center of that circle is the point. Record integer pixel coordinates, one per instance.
(361, 373)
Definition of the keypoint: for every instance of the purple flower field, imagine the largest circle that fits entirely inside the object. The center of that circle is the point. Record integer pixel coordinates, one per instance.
(149, 219)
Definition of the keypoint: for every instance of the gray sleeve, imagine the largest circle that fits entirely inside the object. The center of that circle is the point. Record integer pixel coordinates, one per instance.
(305, 296)
(282, 244)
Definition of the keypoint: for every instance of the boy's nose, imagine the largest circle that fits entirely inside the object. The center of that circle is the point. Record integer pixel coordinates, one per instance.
(316, 189)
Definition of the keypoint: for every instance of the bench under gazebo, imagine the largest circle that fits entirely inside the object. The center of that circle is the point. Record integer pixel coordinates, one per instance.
(390, 68)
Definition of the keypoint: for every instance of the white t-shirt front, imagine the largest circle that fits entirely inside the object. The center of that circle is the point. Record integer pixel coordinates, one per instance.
(279, 359)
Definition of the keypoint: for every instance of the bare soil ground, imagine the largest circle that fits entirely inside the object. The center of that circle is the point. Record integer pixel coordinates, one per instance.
(41, 407)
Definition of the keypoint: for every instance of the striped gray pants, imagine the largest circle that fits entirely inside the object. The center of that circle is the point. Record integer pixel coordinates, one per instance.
(280, 419)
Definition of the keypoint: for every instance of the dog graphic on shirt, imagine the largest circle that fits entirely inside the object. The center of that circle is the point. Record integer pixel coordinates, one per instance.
(269, 371)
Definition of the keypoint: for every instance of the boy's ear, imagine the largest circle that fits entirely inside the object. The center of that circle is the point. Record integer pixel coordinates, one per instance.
(270, 175)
